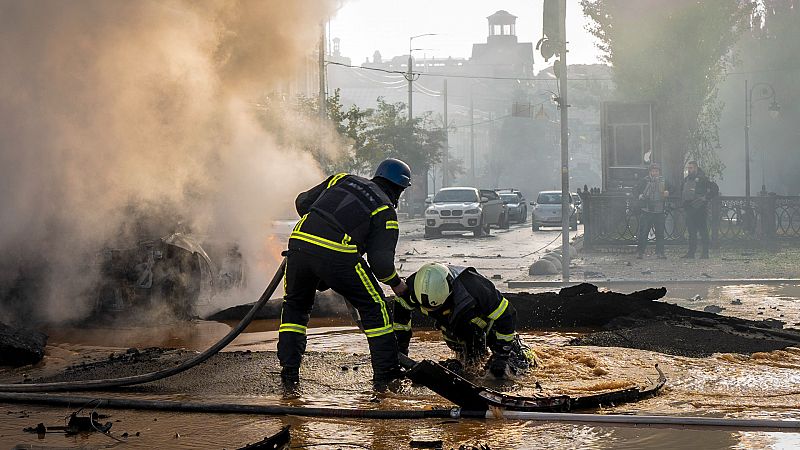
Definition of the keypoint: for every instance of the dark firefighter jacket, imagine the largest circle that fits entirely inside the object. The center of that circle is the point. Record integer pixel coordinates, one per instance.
(352, 215)
(474, 308)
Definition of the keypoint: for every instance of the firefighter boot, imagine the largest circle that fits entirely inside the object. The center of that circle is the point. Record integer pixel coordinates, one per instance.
(389, 381)
(290, 381)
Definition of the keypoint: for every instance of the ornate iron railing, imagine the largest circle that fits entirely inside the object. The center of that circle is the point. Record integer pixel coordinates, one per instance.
(614, 219)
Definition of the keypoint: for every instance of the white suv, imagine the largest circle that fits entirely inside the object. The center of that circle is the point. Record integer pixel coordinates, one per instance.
(463, 209)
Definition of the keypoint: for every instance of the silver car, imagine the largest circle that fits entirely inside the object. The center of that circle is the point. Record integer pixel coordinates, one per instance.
(547, 211)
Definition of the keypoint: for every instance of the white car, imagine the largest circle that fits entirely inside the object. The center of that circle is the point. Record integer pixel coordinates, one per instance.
(547, 211)
(464, 209)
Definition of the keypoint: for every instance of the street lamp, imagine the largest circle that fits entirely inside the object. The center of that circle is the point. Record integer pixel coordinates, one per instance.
(767, 93)
(410, 75)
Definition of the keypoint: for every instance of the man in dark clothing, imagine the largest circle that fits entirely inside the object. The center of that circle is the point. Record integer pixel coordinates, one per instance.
(694, 193)
(652, 192)
(342, 218)
(471, 313)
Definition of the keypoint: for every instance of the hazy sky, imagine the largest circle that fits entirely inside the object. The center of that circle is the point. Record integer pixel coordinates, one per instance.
(385, 25)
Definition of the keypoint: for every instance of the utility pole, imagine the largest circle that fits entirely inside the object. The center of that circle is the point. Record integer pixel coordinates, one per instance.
(746, 145)
(563, 103)
(322, 106)
(472, 139)
(410, 79)
(446, 154)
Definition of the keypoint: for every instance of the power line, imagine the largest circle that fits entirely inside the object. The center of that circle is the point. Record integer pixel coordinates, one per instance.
(445, 75)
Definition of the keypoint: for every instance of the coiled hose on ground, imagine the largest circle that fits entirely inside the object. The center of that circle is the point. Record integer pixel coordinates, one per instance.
(153, 376)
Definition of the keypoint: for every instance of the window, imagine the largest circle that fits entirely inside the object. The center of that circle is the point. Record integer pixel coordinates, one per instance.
(456, 195)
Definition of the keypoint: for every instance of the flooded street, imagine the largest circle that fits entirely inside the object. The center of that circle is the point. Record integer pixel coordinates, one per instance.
(336, 374)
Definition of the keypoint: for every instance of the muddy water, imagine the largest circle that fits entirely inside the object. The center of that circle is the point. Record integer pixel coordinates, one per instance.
(763, 385)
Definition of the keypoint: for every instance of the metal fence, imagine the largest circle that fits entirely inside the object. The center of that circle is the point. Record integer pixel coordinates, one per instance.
(613, 219)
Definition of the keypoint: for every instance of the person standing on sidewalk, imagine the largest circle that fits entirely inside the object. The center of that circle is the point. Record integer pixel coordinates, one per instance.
(694, 193)
(653, 192)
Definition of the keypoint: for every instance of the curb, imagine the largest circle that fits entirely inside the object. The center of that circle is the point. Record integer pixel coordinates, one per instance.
(606, 283)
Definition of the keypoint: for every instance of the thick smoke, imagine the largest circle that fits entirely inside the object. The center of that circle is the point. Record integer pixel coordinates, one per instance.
(114, 113)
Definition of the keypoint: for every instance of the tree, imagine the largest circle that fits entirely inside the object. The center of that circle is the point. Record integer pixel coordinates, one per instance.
(390, 134)
(673, 53)
(350, 124)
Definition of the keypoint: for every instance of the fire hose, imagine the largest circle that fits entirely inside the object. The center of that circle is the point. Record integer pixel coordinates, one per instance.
(158, 375)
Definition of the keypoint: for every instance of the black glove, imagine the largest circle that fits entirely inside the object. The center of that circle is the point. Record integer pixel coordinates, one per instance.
(497, 364)
(476, 344)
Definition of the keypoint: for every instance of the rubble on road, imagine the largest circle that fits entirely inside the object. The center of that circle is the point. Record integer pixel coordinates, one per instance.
(20, 346)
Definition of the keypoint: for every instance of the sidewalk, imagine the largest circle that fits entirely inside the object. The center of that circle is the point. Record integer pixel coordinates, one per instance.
(725, 266)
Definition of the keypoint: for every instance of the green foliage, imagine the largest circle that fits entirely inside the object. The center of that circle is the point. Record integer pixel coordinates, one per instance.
(390, 134)
(673, 53)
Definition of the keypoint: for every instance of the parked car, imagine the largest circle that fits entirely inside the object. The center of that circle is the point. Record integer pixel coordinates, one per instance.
(516, 206)
(547, 211)
(464, 209)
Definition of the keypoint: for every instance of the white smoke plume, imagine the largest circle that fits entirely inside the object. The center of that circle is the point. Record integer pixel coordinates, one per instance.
(112, 110)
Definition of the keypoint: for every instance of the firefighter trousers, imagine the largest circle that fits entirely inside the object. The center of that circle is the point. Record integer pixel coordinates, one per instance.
(350, 276)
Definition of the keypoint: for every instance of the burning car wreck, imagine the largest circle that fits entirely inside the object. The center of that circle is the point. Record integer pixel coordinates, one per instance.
(172, 274)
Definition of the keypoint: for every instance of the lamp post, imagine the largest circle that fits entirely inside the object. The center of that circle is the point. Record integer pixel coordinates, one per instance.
(410, 74)
(767, 93)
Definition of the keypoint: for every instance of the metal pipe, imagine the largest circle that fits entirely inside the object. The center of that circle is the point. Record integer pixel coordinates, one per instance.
(668, 421)
(718, 423)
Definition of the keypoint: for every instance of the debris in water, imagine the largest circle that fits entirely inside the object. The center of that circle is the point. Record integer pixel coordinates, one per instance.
(736, 302)
(436, 444)
(713, 309)
(76, 424)
(278, 441)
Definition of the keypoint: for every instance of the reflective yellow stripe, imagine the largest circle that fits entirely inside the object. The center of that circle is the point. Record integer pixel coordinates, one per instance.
(401, 327)
(403, 303)
(500, 310)
(479, 322)
(384, 280)
(380, 208)
(322, 242)
(374, 294)
(392, 225)
(292, 327)
(504, 337)
(375, 332)
(336, 179)
(346, 239)
(300, 222)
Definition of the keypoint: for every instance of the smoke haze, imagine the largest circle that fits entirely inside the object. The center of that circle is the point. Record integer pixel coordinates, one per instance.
(114, 110)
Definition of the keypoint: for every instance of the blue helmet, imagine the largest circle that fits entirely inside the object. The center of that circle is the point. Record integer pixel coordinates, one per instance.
(395, 171)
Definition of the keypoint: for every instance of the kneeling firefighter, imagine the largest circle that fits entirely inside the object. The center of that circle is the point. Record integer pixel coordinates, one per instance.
(342, 218)
(471, 313)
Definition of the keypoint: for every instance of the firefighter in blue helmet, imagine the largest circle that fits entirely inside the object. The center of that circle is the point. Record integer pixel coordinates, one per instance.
(343, 218)
(471, 313)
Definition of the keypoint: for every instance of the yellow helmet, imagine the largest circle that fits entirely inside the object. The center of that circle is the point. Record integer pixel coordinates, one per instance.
(432, 285)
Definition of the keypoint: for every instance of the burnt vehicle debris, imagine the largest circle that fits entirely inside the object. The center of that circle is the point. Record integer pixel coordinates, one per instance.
(174, 272)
